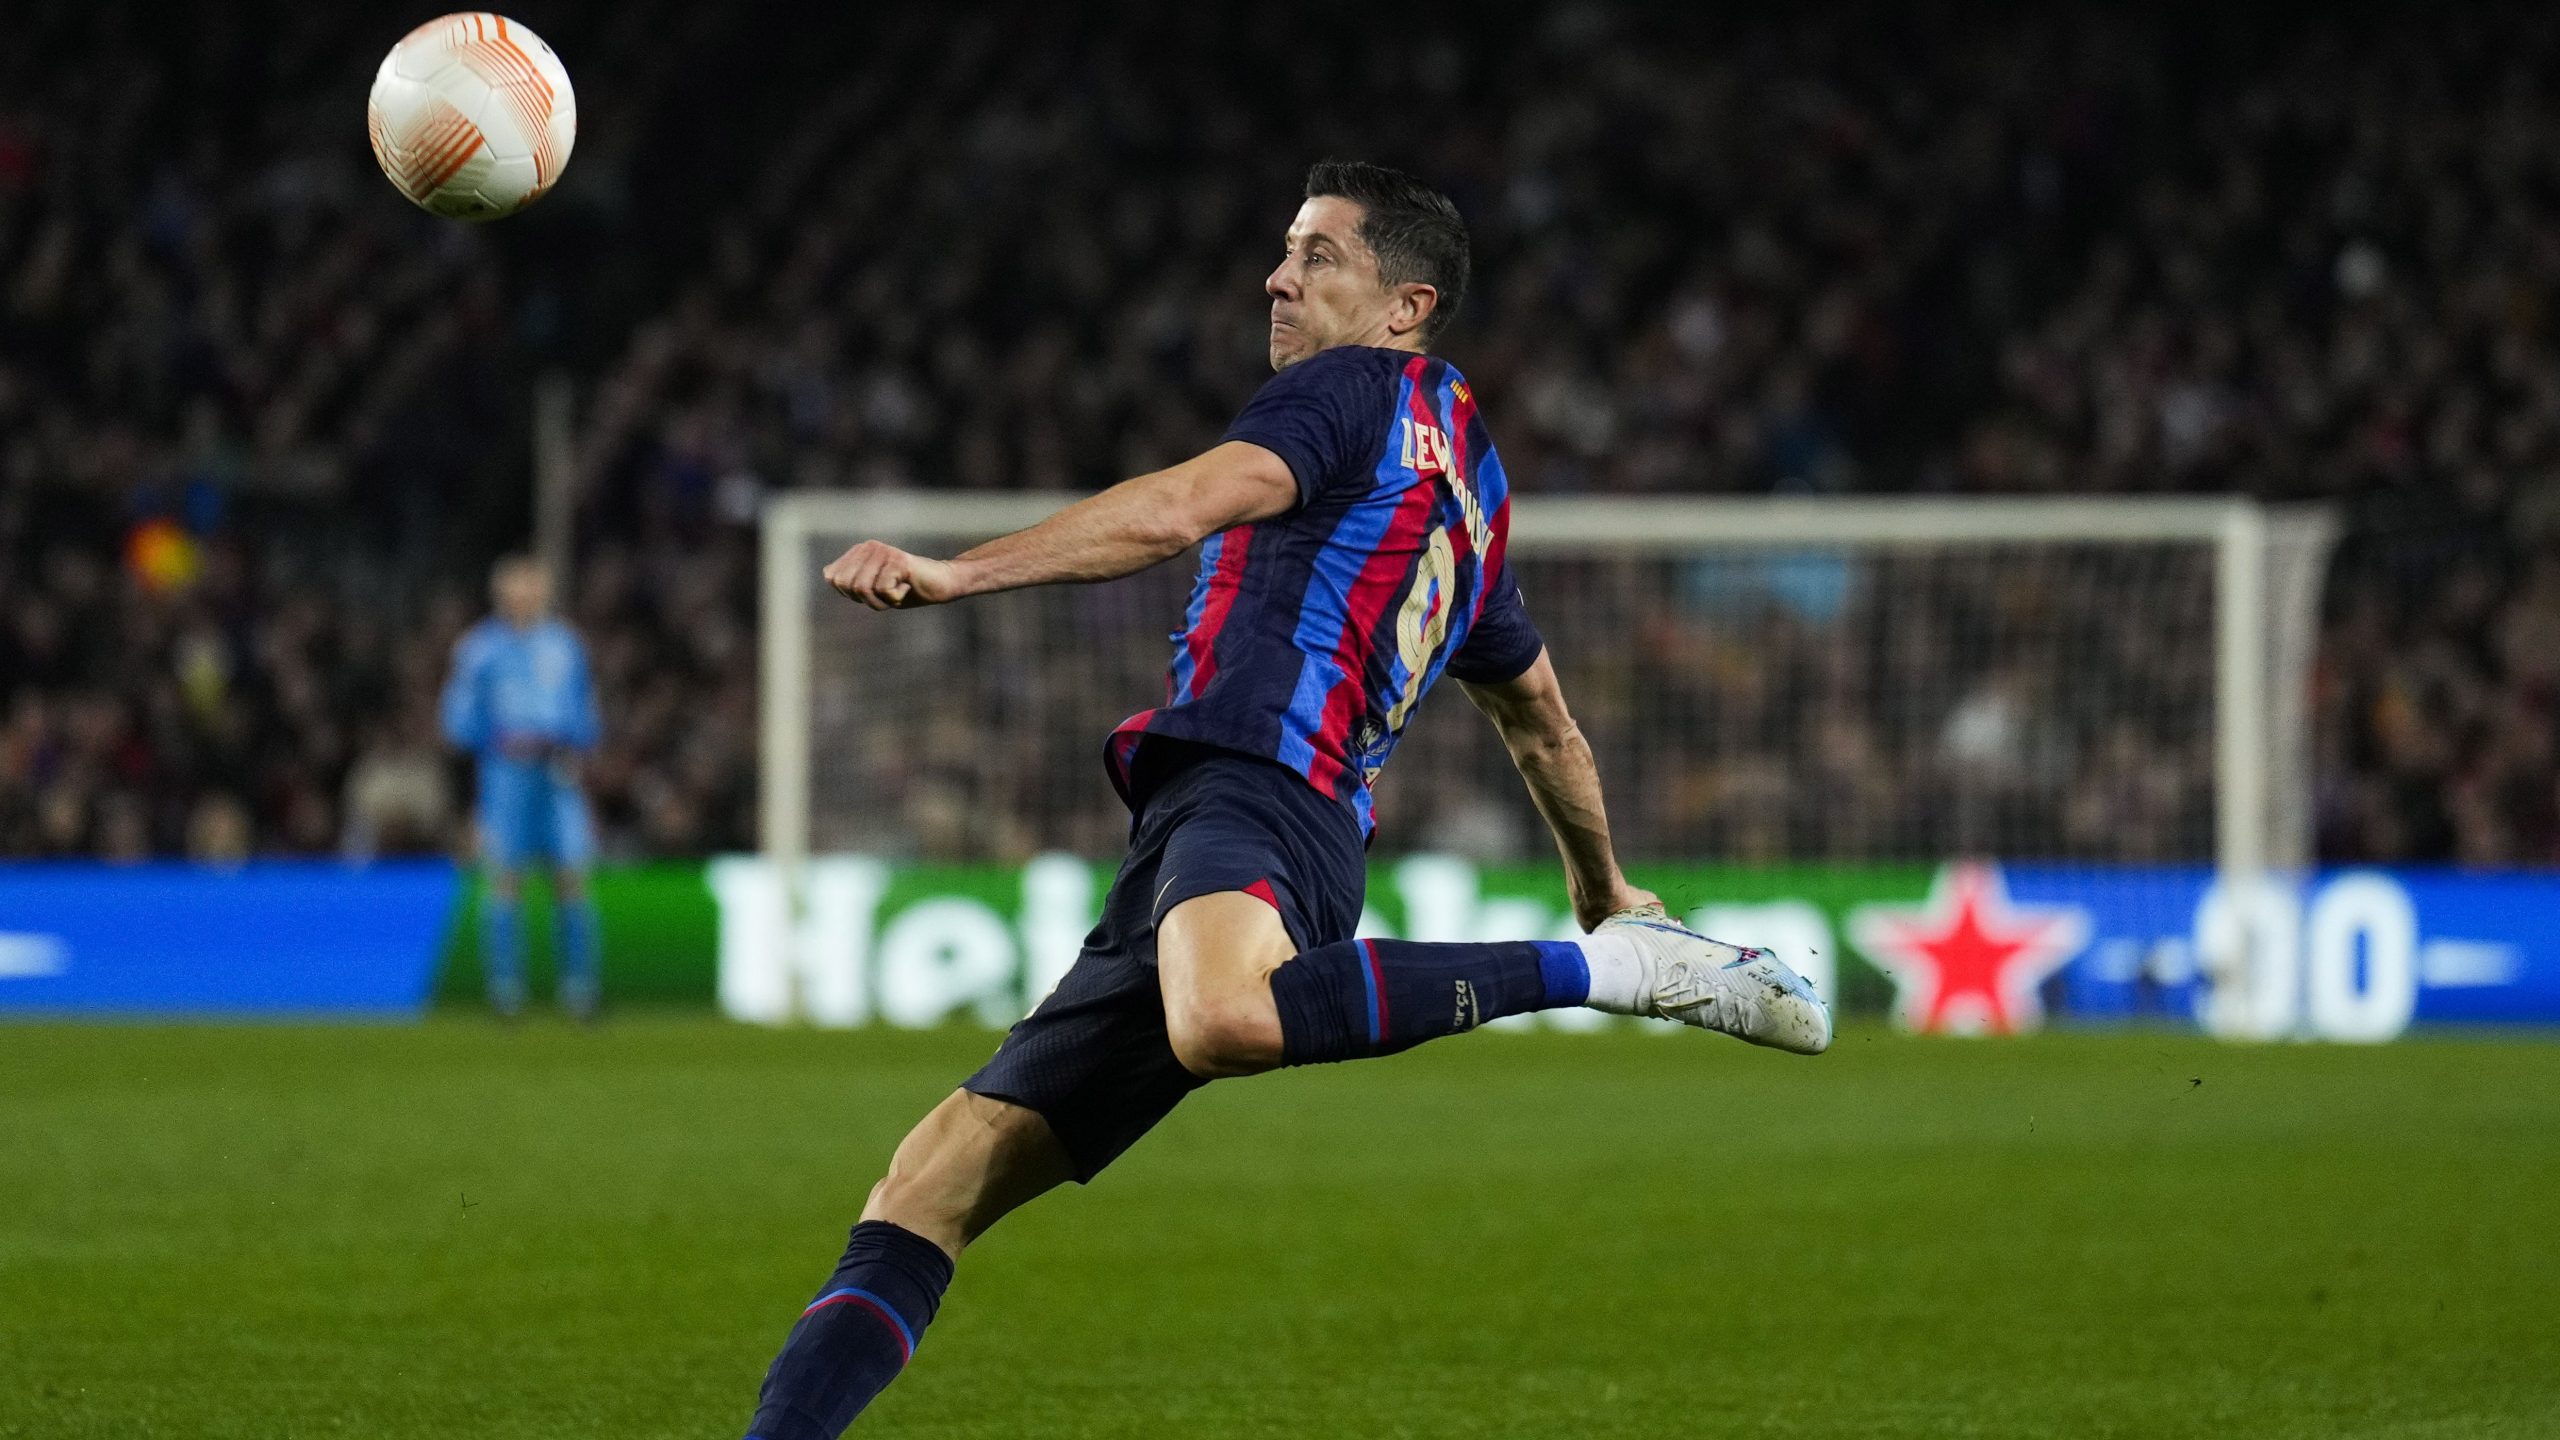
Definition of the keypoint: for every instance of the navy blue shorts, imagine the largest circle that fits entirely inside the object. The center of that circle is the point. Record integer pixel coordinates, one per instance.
(1094, 1059)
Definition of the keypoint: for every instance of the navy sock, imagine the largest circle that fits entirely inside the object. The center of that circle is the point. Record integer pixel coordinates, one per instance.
(1358, 998)
(855, 1337)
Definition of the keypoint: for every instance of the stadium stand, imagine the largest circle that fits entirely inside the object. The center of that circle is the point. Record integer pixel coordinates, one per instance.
(262, 427)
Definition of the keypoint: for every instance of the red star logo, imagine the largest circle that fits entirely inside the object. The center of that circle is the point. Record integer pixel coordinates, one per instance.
(1968, 960)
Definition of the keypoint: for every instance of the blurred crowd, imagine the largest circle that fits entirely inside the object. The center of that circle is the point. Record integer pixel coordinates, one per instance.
(262, 427)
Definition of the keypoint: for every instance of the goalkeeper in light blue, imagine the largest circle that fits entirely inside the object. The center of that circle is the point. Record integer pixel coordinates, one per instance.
(520, 698)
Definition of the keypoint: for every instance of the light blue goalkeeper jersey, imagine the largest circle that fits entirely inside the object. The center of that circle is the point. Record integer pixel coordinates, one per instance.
(512, 685)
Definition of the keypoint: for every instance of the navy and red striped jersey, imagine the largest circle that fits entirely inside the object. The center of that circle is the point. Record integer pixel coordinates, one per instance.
(1311, 636)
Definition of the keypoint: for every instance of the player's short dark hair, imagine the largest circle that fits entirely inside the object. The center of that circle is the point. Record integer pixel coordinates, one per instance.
(1414, 230)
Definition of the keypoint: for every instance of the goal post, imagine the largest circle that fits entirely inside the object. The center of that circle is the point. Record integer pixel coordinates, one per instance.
(2073, 680)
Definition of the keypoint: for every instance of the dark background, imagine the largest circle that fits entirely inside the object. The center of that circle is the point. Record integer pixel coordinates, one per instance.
(1851, 250)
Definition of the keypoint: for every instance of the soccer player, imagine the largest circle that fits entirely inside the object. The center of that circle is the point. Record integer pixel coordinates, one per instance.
(1355, 517)
(520, 699)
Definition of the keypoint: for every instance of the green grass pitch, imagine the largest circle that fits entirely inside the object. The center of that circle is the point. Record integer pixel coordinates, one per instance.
(455, 1230)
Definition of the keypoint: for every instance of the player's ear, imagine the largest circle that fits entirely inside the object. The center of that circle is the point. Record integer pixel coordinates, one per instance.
(1413, 306)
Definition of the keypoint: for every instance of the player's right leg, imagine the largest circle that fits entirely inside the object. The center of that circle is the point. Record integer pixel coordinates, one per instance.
(1376, 997)
(1238, 1001)
(505, 842)
(1260, 968)
(502, 939)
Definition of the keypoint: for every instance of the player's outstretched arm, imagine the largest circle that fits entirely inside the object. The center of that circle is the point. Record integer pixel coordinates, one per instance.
(465, 717)
(1121, 531)
(1555, 760)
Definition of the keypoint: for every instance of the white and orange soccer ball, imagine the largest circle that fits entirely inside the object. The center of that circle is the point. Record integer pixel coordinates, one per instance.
(472, 116)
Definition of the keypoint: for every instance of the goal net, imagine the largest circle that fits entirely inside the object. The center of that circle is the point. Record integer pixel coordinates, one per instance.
(2057, 682)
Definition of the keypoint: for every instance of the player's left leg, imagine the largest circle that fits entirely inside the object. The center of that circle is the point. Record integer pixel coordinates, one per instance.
(581, 955)
(1073, 1086)
(964, 1167)
(572, 849)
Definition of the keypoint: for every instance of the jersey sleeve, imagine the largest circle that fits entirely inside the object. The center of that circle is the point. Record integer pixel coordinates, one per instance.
(1505, 641)
(1325, 417)
(466, 718)
(586, 727)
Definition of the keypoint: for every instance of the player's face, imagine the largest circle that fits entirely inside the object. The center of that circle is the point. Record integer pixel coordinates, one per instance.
(523, 592)
(1326, 291)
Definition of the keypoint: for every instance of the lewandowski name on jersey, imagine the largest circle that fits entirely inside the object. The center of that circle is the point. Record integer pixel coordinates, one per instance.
(1311, 636)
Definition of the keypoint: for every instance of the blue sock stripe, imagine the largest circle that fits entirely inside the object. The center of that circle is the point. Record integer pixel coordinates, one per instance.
(1370, 978)
(852, 1295)
(1564, 972)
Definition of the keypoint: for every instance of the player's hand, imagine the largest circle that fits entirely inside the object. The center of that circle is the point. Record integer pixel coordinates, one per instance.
(524, 747)
(885, 577)
(1627, 897)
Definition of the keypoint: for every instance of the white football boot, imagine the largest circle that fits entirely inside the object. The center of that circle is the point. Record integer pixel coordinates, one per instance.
(1748, 994)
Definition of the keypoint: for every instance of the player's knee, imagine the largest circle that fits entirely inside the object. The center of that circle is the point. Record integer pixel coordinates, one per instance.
(1222, 1035)
(1215, 956)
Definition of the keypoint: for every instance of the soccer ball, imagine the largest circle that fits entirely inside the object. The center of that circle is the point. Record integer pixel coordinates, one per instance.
(472, 116)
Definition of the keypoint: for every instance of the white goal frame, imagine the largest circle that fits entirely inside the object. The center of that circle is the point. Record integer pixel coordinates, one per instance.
(2262, 721)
